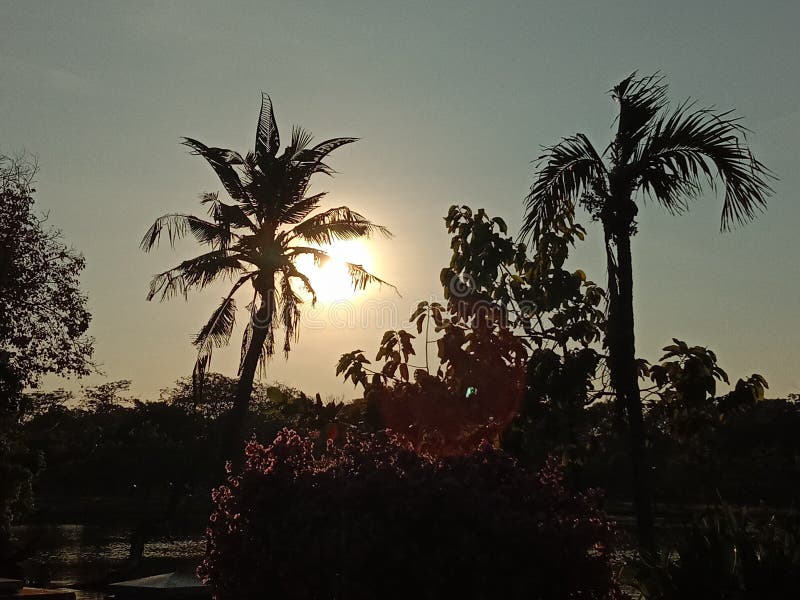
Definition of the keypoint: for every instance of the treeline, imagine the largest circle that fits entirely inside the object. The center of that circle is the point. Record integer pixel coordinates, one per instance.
(749, 458)
(102, 443)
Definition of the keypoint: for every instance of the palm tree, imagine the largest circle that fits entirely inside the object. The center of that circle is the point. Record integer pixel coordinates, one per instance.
(254, 241)
(662, 154)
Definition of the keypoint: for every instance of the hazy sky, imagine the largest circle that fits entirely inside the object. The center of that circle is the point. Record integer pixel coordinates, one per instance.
(452, 101)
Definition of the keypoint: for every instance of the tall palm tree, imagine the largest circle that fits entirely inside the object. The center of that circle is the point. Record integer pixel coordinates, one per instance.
(662, 154)
(254, 241)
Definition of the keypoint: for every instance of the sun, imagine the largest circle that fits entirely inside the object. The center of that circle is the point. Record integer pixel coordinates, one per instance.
(332, 280)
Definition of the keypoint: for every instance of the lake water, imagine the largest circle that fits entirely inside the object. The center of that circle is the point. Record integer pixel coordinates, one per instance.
(77, 555)
(72, 554)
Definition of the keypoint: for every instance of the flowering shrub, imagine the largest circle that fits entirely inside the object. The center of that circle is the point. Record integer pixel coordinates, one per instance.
(371, 518)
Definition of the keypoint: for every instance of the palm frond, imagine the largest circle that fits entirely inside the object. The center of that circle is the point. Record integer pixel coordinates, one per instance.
(669, 189)
(259, 181)
(297, 211)
(307, 163)
(563, 172)
(291, 272)
(195, 272)
(222, 161)
(290, 310)
(339, 223)
(320, 256)
(322, 149)
(361, 278)
(179, 225)
(694, 146)
(640, 100)
(250, 169)
(297, 178)
(301, 138)
(209, 198)
(168, 284)
(267, 137)
(227, 214)
(216, 333)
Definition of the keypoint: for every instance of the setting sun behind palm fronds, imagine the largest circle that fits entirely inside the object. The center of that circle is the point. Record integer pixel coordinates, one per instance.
(331, 280)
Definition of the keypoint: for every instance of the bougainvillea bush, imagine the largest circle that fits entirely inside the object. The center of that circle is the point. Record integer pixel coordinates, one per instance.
(368, 517)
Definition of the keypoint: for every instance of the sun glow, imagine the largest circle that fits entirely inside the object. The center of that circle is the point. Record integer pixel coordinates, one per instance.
(332, 281)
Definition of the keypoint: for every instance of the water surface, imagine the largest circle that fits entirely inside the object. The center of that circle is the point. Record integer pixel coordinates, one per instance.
(87, 555)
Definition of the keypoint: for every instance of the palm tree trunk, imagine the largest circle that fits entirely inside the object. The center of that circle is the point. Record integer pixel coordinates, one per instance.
(625, 380)
(261, 325)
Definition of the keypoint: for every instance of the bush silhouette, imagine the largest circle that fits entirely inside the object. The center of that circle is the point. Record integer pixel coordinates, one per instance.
(368, 517)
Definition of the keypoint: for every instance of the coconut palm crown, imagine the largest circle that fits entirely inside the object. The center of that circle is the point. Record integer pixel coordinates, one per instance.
(254, 241)
(659, 153)
(665, 154)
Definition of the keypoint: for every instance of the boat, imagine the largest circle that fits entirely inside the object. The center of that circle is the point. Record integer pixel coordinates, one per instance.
(163, 586)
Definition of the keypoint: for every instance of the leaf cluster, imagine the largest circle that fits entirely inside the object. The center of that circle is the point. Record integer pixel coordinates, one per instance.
(503, 313)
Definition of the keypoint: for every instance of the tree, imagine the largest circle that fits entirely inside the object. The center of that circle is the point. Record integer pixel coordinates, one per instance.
(106, 397)
(662, 154)
(514, 344)
(43, 323)
(43, 315)
(255, 241)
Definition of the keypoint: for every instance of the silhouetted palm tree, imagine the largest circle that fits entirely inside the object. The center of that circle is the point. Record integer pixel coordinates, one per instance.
(667, 156)
(256, 239)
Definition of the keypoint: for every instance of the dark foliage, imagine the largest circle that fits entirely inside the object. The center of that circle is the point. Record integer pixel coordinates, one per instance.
(43, 323)
(727, 555)
(513, 339)
(135, 450)
(371, 518)
(105, 444)
(43, 316)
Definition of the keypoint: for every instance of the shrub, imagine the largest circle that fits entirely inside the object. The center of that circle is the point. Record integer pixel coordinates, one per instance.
(371, 518)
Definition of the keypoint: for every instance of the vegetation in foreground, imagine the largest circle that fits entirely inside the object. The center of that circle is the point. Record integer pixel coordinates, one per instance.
(371, 517)
(726, 554)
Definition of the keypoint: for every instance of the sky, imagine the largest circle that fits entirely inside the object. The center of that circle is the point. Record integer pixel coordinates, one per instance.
(452, 101)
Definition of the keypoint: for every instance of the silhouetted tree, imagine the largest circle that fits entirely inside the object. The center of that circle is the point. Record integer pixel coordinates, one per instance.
(43, 323)
(514, 344)
(257, 240)
(43, 316)
(106, 396)
(662, 154)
